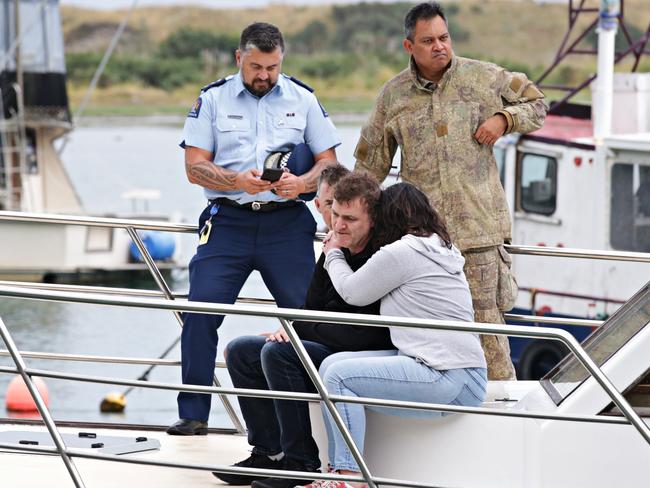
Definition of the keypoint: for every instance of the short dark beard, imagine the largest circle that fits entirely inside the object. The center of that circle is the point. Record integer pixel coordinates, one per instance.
(258, 93)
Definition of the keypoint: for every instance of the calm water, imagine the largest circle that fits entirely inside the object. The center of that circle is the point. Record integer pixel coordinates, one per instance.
(104, 162)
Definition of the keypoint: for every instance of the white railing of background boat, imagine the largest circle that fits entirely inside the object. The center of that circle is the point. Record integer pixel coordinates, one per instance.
(285, 315)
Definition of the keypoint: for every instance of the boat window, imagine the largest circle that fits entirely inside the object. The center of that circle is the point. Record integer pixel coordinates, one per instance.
(99, 239)
(500, 156)
(630, 207)
(633, 316)
(537, 185)
(31, 161)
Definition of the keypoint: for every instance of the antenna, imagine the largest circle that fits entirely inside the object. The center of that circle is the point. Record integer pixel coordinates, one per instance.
(576, 8)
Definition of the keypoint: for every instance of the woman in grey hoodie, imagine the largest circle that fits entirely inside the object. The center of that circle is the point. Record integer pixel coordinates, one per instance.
(417, 273)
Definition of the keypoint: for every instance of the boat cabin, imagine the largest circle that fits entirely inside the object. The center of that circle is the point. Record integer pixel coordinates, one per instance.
(566, 188)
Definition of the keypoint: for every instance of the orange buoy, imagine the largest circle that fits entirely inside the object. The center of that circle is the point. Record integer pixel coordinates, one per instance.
(18, 398)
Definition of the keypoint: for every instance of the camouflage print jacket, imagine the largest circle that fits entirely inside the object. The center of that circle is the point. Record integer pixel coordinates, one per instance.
(434, 129)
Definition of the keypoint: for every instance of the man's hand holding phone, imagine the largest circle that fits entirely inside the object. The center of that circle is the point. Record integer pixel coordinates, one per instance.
(272, 174)
(250, 182)
(289, 186)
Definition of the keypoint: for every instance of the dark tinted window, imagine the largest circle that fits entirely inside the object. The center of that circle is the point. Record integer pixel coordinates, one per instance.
(537, 185)
(630, 208)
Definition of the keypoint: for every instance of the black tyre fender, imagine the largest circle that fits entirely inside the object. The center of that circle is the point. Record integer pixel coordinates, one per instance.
(539, 357)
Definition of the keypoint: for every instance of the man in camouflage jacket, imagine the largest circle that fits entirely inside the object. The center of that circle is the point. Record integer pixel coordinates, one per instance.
(445, 113)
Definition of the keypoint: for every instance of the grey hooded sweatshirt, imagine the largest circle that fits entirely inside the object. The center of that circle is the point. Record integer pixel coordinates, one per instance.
(415, 277)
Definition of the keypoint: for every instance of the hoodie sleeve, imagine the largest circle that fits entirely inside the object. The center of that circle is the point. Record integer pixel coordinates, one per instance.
(374, 280)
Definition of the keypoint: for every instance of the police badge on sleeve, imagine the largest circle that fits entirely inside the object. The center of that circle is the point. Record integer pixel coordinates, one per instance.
(196, 108)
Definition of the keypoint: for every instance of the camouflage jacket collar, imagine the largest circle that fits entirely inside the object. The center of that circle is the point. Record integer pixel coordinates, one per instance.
(421, 83)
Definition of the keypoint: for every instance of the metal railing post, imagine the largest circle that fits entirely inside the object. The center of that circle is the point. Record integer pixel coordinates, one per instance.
(322, 391)
(40, 405)
(164, 288)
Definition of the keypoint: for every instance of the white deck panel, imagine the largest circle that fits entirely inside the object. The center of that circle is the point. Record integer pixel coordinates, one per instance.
(22, 470)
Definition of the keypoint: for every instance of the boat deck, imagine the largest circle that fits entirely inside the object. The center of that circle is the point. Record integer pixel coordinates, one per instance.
(27, 470)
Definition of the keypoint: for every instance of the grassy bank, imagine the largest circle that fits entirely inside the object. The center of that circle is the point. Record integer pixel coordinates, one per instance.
(345, 52)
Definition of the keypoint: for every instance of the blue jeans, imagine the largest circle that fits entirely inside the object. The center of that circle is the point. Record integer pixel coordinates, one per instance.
(276, 426)
(241, 241)
(396, 377)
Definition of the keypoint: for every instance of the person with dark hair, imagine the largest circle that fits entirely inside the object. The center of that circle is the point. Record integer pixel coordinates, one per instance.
(235, 126)
(325, 196)
(417, 272)
(445, 113)
(280, 430)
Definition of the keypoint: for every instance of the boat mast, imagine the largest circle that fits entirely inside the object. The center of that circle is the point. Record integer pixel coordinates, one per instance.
(609, 12)
(18, 57)
(607, 28)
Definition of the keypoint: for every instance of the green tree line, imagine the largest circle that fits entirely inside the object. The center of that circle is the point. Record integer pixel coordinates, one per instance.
(356, 41)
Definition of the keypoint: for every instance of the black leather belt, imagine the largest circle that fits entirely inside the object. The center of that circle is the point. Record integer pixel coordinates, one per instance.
(256, 206)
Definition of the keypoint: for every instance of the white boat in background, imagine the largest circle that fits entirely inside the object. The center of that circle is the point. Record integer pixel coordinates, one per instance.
(570, 188)
(581, 181)
(34, 114)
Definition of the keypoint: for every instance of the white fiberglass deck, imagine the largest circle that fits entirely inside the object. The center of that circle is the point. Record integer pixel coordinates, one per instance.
(22, 470)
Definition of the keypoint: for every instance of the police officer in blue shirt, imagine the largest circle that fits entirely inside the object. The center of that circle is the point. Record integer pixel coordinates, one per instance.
(249, 223)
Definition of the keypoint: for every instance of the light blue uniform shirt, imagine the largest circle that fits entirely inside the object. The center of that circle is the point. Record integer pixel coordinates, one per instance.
(242, 129)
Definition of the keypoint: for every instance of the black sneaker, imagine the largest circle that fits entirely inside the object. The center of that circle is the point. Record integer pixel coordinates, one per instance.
(260, 461)
(289, 465)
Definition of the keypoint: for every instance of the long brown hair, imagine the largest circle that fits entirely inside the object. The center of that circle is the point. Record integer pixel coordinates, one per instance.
(404, 209)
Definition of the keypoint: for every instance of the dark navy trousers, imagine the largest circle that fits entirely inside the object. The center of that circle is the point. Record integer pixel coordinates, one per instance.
(278, 244)
(276, 426)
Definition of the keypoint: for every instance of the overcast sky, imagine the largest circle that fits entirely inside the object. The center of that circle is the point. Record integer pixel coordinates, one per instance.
(118, 4)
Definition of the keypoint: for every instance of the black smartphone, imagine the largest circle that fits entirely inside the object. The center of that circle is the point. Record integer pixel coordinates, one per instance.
(272, 174)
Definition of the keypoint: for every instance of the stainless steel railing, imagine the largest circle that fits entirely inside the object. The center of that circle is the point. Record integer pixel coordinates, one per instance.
(261, 301)
(131, 226)
(285, 315)
(567, 252)
(87, 358)
(107, 296)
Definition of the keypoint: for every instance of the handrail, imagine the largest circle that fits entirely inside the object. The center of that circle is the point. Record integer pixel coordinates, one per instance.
(535, 292)
(176, 306)
(263, 301)
(564, 294)
(283, 315)
(314, 397)
(91, 221)
(100, 359)
(61, 448)
(130, 225)
(176, 227)
(567, 252)
(347, 318)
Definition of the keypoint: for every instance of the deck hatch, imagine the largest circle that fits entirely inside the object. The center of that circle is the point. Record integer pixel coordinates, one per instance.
(101, 444)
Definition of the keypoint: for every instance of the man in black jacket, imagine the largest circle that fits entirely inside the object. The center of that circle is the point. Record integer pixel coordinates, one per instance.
(280, 430)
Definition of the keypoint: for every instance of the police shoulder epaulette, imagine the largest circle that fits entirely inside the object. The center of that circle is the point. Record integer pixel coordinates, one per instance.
(301, 83)
(215, 84)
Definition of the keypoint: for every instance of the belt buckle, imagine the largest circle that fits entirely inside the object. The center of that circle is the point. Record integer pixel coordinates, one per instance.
(256, 206)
